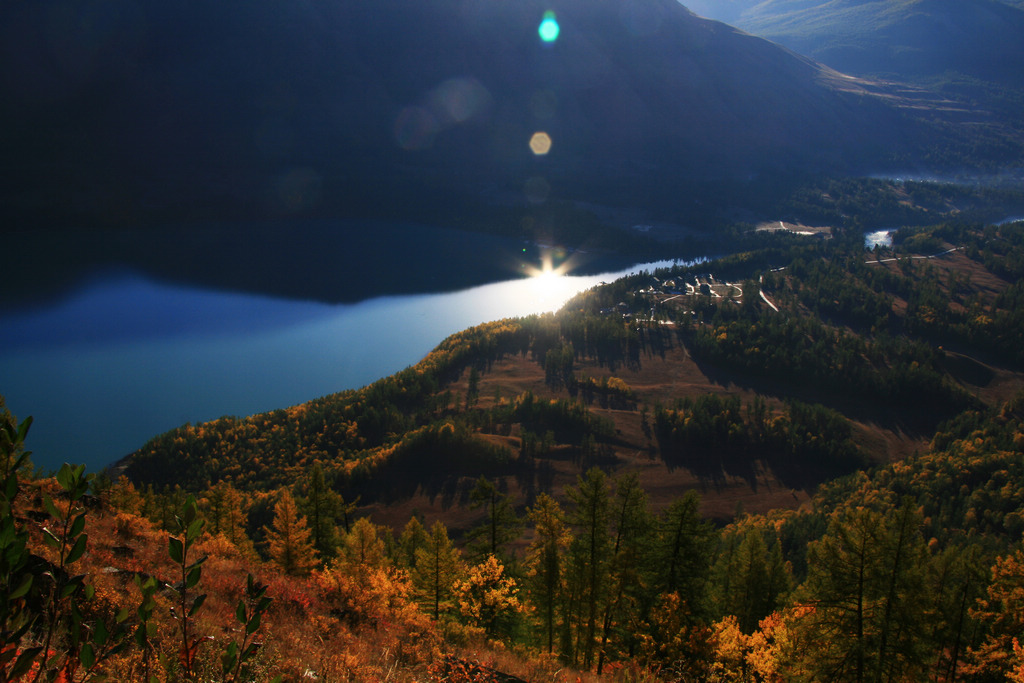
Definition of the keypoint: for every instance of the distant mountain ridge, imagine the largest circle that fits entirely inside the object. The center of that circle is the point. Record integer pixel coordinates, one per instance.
(979, 39)
(120, 113)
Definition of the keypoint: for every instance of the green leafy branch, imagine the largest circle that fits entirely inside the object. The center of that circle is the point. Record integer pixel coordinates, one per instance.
(249, 614)
(189, 527)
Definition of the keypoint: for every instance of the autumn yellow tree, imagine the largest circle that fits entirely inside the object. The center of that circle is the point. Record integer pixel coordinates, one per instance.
(1016, 673)
(123, 496)
(288, 539)
(775, 648)
(412, 538)
(732, 649)
(1001, 611)
(362, 547)
(487, 597)
(226, 513)
(438, 566)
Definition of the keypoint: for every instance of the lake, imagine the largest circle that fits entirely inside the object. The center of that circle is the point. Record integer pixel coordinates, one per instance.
(878, 238)
(122, 357)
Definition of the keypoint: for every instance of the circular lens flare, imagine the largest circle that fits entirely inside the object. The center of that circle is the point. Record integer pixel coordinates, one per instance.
(548, 29)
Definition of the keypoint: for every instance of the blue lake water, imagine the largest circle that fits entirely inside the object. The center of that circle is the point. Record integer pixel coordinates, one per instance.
(878, 238)
(124, 357)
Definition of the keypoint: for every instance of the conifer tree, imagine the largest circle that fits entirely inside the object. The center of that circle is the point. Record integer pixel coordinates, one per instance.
(588, 564)
(865, 589)
(750, 578)
(213, 507)
(545, 570)
(322, 507)
(438, 566)
(500, 525)
(903, 603)
(956, 580)
(631, 522)
(288, 538)
(681, 552)
(473, 387)
(227, 514)
(363, 547)
(412, 538)
(346, 509)
(125, 497)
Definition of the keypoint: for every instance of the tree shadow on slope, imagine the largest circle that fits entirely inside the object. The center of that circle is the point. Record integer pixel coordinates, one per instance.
(718, 437)
(915, 411)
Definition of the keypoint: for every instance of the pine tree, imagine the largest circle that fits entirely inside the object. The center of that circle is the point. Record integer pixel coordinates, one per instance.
(545, 571)
(681, 553)
(632, 523)
(956, 580)
(362, 547)
(123, 496)
(236, 519)
(750, 579)
(412, 538)
(500, 525)
(288, 541)
(588, 564)
(472, 387)
(227, 514)
(322, 507)
(438, 566)
(865, 590)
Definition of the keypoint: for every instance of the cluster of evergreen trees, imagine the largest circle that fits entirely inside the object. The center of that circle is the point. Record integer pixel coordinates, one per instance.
(714, 436)
(853, 588)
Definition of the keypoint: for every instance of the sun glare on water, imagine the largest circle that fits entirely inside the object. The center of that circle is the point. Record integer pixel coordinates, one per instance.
(549, 287)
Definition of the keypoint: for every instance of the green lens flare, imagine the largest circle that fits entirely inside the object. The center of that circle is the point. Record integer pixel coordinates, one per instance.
(548, 30)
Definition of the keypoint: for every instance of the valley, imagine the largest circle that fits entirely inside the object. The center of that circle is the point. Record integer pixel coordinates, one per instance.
(466, 341)
(623, 352)
(770, 433)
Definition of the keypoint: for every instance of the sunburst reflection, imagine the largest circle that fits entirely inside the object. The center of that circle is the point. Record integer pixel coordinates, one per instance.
(550, 285)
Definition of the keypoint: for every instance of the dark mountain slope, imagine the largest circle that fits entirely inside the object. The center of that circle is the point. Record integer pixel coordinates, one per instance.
(124, 112)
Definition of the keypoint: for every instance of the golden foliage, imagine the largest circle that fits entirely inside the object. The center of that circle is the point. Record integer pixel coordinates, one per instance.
(375, 596)
(288, 541)
(487, 596)
(1002, 608)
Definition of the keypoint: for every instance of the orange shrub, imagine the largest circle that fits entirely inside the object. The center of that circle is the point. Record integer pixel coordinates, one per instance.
(373, 596)
(128, 525)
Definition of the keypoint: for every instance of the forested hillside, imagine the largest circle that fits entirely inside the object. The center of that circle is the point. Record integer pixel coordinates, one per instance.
(890, 340)
(801, 462)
